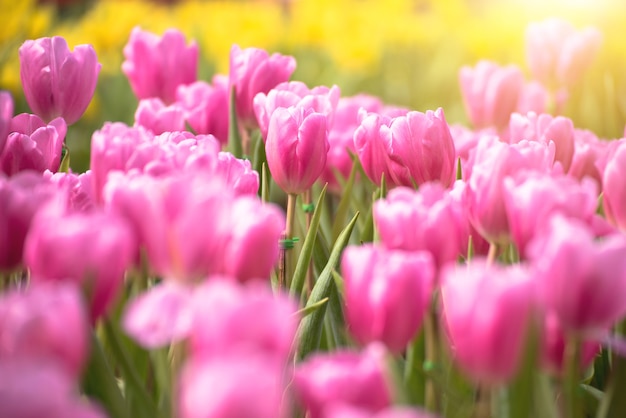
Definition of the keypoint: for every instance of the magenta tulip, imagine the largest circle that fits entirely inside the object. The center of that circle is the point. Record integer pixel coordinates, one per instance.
(296, 148)
(21, 197)
(295, 93)
(614, 188)
(46, 323)
(155, 116)
(233, 387)
(157, 65)
(57, 82)
(387, 294)
(33, 145)
(254, 71)
(344, 377)
(206, 107)
(6, 115)
(34, 389)
(93, 250)
(545, 128)
(490, 93)
(581, 280)
(425, 220)
(487, 312)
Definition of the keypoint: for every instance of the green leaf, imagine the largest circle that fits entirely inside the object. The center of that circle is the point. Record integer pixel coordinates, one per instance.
(344, 203)
(520, 393)
(414, 376)
(234, 137)
(310, 329)
(100, 383)
(309, 309)
(304, 260)
(64, 167)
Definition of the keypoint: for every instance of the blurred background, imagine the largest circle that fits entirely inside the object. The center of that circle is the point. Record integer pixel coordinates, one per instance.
(407, 52)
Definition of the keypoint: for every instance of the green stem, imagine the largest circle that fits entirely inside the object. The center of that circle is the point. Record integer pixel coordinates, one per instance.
(492, 254)
(572, 378)
(431, 332)
(131, 378)
(414, 377)
(286, 259)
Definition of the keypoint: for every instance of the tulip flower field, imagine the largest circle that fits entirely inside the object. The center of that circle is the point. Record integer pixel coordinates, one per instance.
(254, 246)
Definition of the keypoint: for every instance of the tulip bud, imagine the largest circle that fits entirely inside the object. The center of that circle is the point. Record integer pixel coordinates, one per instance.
(58, 82)
(296, 148)
(6, 114)
(387, 294)
(614, 188)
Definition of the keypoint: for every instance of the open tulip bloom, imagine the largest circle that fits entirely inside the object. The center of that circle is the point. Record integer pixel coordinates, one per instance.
(362, 261)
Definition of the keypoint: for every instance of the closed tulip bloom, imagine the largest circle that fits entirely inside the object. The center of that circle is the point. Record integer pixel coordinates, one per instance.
(22, 393)
(344, 377)
(33, 145)
(534, 97)
(581, 280)
(424, 220)
(93, 250)
(545, 128)
(387, 292)
(56, 81)
(232, 387)
(588, 149)
(253, 71)
(6, 114)
(21, 197)
(487, 312)
(614, 188)
(242, 320)
(157, 65)
(557, 53)
(155, 116)
(490, 93)
(238, 173)
(30, 332)
(295, 93)
(344, 411)
(296, 148)
(530, 200)
(206, 106)
(80, 197)
(484, 194)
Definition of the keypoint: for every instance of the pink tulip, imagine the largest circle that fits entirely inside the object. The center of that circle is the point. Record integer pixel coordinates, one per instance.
(295, 93)
(160, 316)
(155, 116)
(490, 93)
(79, 190)
(532, 198)
(343, 377)
(553, 346)
(614, 188)
(232, 386)
(206, 107)
(254, 71)
(341, 136)
(6, 115)
(33, 145)
(425, 220)
(487, 312)
(244, 320)
(93, 250)
(387, 294)
(582, 281)
(21, 196)
(58, 82)
(545, 128)
(588, 149)
(296, 148)
(484, 194)
(157, 66)
(534, 97)
(33, 389)
(344, 411)
(557, 53)
(238, 173)
(409, 150)
(192, 225)
(46, 323)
